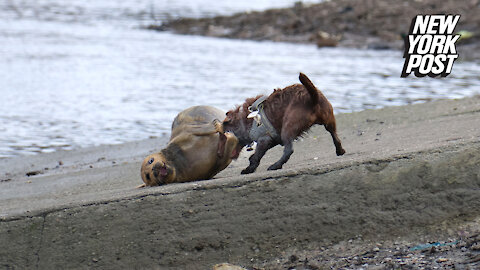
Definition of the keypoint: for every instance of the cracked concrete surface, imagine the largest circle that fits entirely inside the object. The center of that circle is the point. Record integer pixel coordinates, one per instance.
(406, 168)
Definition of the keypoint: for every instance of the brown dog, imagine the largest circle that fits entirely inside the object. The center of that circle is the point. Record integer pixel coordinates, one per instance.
(287, 113)
(198, 149)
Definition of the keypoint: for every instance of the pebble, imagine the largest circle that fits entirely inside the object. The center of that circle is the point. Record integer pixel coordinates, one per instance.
(227, 266)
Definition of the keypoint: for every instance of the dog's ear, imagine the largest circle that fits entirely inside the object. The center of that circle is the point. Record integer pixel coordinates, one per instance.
(228, 117)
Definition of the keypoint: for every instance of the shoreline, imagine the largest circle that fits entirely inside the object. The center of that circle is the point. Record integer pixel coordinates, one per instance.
(371, 24)
(409, 170)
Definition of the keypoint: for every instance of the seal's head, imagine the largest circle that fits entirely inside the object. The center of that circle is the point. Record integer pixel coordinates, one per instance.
(156, 171)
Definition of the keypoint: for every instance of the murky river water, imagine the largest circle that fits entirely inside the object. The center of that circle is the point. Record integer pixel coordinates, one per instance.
(80, 73)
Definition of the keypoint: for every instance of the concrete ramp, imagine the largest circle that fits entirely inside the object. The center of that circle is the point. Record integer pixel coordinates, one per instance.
(406, 168)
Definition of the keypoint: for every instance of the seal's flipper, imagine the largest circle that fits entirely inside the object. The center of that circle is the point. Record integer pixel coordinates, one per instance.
(205, 129)
(222, 140)
(218, 125)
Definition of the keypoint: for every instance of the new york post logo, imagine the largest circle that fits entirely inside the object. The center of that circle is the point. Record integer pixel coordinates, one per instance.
(430, 46)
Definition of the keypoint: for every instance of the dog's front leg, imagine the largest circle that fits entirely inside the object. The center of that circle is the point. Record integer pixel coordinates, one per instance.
(287, 152)
(263, 144)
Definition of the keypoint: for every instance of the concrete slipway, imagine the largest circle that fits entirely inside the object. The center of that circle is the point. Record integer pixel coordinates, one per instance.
(406, 168)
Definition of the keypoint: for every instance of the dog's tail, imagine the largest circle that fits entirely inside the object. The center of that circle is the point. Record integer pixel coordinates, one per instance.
(312, 90)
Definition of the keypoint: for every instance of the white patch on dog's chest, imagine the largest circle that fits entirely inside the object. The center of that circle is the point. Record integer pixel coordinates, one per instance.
(257, 117)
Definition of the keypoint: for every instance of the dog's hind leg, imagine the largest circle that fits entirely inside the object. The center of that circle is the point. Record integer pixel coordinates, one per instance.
(338, 144)
(263, 144)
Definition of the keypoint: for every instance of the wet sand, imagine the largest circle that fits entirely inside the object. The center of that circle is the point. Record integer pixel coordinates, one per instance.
(410, 172)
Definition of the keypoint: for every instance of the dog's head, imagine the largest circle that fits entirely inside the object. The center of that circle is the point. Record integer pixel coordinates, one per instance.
(236, 121)
(231, 121)
(155, 170)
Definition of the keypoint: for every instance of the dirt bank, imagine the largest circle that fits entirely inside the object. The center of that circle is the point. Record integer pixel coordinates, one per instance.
(409, 172)
(375, 24)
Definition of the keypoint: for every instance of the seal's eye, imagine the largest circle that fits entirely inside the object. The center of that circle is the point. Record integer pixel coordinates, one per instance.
(151, 161)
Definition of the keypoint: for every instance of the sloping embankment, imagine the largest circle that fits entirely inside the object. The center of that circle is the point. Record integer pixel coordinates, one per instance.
(407, 168)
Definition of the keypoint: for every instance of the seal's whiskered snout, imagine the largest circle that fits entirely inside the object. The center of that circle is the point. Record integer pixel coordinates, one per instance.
(159, 169)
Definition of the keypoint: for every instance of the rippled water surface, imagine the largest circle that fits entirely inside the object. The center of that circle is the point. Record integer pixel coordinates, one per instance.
(80, 73)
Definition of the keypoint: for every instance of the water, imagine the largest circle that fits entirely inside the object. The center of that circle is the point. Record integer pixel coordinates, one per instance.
(83, 73)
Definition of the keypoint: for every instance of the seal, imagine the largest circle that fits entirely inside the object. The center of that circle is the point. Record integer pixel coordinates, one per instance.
(198, 149)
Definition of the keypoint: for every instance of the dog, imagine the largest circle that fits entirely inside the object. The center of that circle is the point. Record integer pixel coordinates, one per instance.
(198, 149)
(279, 119)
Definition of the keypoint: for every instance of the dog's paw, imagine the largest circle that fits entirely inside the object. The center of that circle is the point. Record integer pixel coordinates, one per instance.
(247, 170)
(274, 167)
(341, 152)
